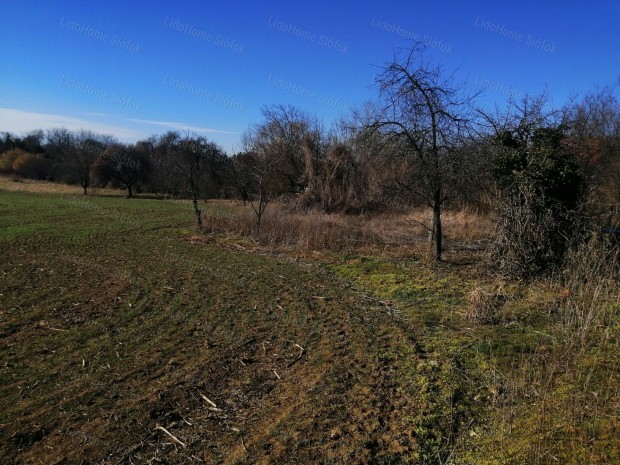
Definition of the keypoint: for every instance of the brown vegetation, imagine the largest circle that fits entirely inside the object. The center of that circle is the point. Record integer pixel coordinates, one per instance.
(391, 232)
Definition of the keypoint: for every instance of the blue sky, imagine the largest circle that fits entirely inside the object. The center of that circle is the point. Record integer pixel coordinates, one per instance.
(134, 69)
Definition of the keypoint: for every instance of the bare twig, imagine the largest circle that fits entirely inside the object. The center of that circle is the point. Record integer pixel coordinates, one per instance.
(58, 329)
(209, 401)
(172, 436)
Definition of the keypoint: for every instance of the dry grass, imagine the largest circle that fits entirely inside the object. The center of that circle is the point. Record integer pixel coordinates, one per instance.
(17, 184)
(592, 297)
(338, 232)
(458, 226)
(557, 400)
(485, 304)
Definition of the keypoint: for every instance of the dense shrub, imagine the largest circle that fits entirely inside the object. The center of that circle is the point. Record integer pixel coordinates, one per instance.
(7, 159)
(541, 185)
(31, 166)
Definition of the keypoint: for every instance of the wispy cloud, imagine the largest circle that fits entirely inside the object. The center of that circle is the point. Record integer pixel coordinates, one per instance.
(180, 126)
(19, 121)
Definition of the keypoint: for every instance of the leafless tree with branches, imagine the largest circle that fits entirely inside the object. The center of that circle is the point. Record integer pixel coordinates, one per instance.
(425, 119)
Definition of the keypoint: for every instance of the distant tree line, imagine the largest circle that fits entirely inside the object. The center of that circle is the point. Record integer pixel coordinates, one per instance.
(422, 142)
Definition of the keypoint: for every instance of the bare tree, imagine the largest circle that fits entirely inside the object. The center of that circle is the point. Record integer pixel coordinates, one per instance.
(165, 178)
(595, 131)
(261, 182)
(597, 114)
(90, 146)
(128, 165)
(281, 138)
(76, 153)
(183, 165)
(424, 119)
(280, 156)
(188, 158)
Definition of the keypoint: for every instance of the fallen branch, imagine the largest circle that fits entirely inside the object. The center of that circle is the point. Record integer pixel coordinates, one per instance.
(172, 436)
(209, 401)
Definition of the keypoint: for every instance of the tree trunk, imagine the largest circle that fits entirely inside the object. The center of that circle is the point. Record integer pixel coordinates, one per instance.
(129, 191)
(197, 210)
(437, 235)
(192, 184)
(85, 181)
(259, 214)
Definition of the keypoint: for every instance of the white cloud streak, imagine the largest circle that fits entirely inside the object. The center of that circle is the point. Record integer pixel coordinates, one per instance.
(21, 121)
(180, 126)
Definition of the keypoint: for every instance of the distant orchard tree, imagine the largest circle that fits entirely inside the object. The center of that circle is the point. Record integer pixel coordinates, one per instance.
(75, 154)
(81, 161)
(188, 159)
(164, 178)
(259, 180)
(7, 142)
(595, 133)
(128, 165)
